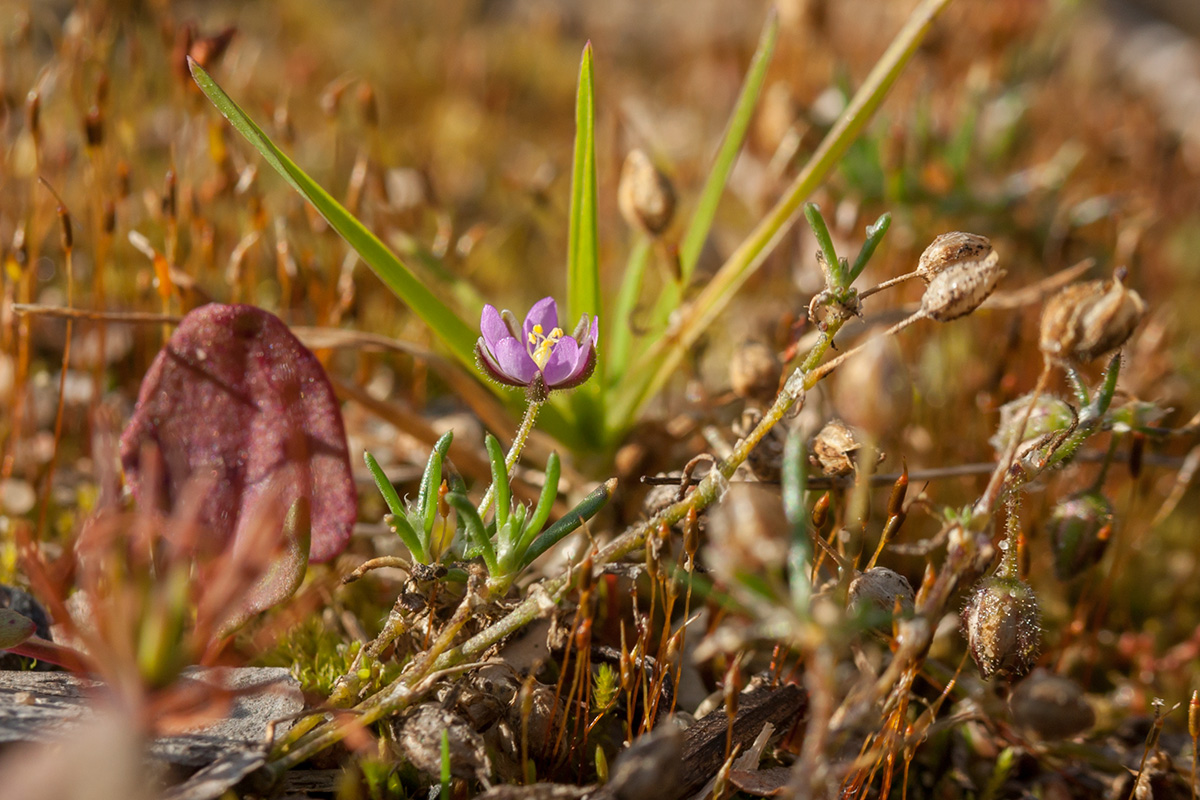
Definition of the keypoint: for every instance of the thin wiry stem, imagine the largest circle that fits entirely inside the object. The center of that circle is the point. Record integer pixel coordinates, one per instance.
(514, 452)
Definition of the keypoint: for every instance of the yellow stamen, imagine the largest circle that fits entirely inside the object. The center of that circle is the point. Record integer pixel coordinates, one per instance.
(542, 346)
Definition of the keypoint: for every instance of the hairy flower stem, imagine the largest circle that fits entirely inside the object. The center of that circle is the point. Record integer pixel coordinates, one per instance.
(514, 452)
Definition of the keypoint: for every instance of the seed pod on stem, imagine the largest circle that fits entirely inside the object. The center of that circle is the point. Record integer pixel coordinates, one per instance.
(950, 249)
(947, 250)
(1002, 625)
(1080, 527)
(961, 287)
(644, 195)
(954, 291)
(1086, 320)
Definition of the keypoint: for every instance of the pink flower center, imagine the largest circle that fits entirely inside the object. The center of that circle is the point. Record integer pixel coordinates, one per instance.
(541, 344)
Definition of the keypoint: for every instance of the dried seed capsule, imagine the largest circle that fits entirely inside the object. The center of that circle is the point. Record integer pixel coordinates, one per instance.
(644, 195)
(754, 372)
(961, 287)
(881, 586)
(835, 448)
(1086, 320)
(1050, 706)
(1002, 625)
(1079, 531)
(952, 248)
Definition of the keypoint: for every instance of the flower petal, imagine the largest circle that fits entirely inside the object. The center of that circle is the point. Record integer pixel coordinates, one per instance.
(595, 331)
(562, 362)
(492, 326)
(585, 365)
(488, 364)
(544, 313)
(514, 361)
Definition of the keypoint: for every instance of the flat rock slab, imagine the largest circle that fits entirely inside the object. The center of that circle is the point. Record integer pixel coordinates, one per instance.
(43, 706)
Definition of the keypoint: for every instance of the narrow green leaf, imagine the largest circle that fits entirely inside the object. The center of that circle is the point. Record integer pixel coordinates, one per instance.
(431, 481)
(714, 185)
(385, 486)
(545, 502)
(731, 145)
(875, 234)
(476, 532)
(816, 221)
(583, 266)
(619, 336)
(417, 544)
(501, 491)
(446, 325)
(795, 483)
(587, 508)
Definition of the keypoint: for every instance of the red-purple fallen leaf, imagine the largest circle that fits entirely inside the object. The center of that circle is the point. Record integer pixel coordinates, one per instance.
(235, 401)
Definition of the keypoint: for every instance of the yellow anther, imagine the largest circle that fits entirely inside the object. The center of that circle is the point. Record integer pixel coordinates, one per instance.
(542, 345)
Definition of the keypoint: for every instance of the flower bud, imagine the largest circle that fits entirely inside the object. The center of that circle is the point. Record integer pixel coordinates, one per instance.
(644, 195)
(754, 372)
(881, 586)
(1086, 320)
(1002, 625)
(961, 287)
(952, 248)
(1079, 531)
(1049, 414)
(1050, 706)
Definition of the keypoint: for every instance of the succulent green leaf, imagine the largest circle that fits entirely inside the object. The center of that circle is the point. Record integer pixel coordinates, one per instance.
(431, 482)
(587, 508)
(476, 532)
(502, 491)
(385, 486)
(875, 234)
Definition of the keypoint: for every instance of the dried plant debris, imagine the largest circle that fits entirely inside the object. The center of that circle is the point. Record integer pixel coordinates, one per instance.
(235, 403)
(836, 449)
(420, 738)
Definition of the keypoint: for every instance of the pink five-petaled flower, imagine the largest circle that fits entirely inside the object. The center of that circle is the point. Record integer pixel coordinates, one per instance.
(538, 355)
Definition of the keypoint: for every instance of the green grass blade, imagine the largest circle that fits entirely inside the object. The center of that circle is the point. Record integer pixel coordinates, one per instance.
(446, 325)
(652, 370)
(620, 330)
(714, 186)
(731, 145)
(583, 270)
